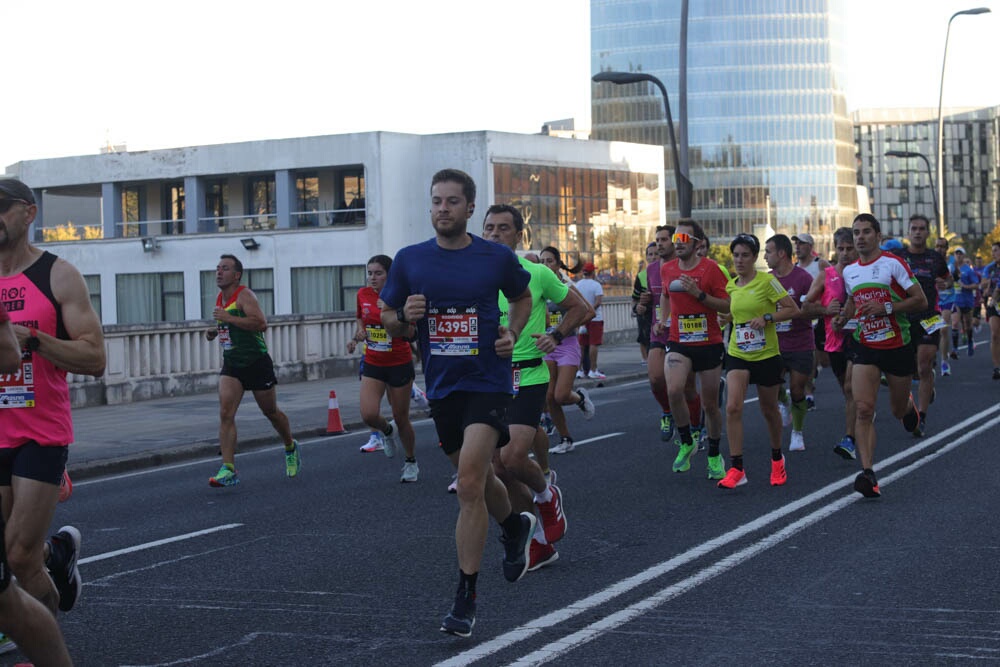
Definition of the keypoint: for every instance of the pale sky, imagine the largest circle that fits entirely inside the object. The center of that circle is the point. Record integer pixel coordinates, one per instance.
(160, 75)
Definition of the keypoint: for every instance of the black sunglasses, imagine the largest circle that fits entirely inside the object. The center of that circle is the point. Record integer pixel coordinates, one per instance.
(7, 204)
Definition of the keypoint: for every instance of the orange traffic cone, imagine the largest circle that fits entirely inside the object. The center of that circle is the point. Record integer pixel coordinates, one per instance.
(333, 423)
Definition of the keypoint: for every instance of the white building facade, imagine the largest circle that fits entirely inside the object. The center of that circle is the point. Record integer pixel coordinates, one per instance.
(303, 215)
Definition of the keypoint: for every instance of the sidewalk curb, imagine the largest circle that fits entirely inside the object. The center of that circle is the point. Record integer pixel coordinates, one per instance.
(210, 448)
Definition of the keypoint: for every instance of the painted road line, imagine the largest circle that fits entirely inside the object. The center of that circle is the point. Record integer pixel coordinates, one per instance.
(157, 543)
(594, 600)
(616, 620)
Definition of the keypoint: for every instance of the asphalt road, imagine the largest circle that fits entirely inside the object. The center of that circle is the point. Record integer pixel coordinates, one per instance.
(346, 566)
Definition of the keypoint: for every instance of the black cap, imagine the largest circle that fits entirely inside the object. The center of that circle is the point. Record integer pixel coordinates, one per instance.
(15, 189)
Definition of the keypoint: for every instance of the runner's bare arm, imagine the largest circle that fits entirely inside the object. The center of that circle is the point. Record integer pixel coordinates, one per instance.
(413, 311)
(811, 307)
(10, 351)
(576, 311)
(84, 352)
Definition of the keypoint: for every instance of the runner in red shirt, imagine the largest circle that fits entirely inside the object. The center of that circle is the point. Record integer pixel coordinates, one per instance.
(694, 293)
(387, 367)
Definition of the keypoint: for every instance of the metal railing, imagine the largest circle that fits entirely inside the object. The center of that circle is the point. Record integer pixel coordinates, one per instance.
(148, 361)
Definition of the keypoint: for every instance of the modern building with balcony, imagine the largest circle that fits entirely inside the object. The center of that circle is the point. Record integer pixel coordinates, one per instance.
(146, 228)
(901, 186)
(770, 144)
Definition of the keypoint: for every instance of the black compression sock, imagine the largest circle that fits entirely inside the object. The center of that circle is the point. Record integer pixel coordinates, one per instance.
(467, 582)
(713, 446)
(685, 433)
(736, 462)
(775, 454)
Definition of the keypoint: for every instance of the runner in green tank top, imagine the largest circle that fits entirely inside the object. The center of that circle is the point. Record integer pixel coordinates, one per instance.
(246, 366)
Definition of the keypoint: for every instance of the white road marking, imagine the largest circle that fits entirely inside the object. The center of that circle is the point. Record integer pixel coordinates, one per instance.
(577, 443)
(594, 600)
(157, 543)
(595, 630)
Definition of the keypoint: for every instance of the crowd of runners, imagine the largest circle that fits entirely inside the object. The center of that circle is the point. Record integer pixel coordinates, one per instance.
(501, 340)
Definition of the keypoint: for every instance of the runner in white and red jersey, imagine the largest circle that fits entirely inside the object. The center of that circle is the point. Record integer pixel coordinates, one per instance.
(882, 290)
(387, 369)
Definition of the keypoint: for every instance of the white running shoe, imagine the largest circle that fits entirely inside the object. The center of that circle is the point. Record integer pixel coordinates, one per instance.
(586, 405)
(595, 374)
(579, 375)
(453, 487)
(389, 441)
(418, 398)
(376, 443)
(797, 444)
(786, 415)
(410, 471)
(565, 446)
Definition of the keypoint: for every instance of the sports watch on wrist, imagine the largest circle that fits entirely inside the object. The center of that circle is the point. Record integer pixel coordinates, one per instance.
(768, 317)
(888, 307)
(401, 314)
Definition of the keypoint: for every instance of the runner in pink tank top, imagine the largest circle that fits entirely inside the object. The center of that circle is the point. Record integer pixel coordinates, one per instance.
(58, 331)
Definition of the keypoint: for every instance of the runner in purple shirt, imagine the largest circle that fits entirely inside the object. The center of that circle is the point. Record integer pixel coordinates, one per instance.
(795, 337)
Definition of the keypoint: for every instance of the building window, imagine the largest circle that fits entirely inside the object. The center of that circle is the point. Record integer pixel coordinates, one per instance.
(216, 206)
(326, 289)
(94, 289)
(173, 208)
(261, 281)
(349, 184)
(261, 202)
(150, 297)
(306, 213)
(133, 203)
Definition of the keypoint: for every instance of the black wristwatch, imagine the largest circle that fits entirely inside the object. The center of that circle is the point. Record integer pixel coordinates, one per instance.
(557, 336)
(401, 314)
(702, 296)
(768, 317)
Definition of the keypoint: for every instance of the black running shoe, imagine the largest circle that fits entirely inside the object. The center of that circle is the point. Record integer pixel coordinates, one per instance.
(462, 616)
(866, 484)
(64, 550)
(517, 547)
(911, 422)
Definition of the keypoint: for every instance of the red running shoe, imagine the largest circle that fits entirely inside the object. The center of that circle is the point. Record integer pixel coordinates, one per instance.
(540, 555)
(778, 474)
(553, 518)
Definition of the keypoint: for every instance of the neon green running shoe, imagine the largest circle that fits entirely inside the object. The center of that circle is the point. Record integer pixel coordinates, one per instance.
(293, 460)
(716, 467)
(683, 461)
(225, 477)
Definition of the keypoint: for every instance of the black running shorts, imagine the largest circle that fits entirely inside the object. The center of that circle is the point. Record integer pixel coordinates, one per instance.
(459, 409)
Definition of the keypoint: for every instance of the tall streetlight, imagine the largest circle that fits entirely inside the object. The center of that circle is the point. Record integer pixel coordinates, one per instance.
(930, 174)
(684, 187)
(940, 137)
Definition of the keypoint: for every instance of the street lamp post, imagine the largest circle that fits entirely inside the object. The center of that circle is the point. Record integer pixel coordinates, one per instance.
(684, 187)
(940, 132)
(930, 174)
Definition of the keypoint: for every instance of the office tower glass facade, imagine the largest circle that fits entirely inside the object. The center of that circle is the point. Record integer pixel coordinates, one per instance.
(769, 138)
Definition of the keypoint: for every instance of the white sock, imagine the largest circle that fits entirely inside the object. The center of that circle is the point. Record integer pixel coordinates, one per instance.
(545, 496)
(539, 535)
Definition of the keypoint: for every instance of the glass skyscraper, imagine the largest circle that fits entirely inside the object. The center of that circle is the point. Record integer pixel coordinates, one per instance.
(770, 139)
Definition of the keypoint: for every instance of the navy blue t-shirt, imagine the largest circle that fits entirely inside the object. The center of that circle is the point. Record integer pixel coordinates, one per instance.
(458, 333)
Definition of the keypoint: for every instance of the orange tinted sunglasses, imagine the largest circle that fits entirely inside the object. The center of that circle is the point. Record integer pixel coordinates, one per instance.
(680, 237)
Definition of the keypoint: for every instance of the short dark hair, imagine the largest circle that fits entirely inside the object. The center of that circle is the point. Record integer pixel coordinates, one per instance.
(783, 243)
(666, 228)
(507, 208)
(382, 260)
(237, 264)
(920, 216)
(457, 176)
(699, 233)
(749, 240)
(870, 219)
(844, 233)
